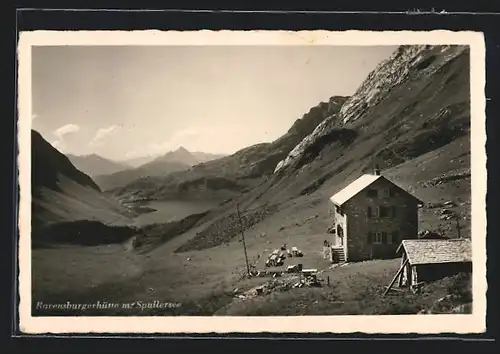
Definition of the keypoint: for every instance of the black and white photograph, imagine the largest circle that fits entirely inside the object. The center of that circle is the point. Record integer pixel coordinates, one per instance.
(264, 174)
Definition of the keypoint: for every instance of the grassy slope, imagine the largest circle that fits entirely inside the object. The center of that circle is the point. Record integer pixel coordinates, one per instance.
(355, 289)
(75, 202)
(165, 275)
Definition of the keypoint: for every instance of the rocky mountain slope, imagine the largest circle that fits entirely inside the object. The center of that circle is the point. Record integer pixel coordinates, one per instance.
(235, 173)
(61, 192)
(405, 67)
(95, 165)
(413, 104)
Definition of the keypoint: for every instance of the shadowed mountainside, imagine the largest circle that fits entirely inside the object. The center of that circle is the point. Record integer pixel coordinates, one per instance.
(48, 164)
(61, 192)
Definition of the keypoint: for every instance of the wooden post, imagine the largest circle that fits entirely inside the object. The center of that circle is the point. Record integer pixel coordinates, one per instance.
(395, 277)
(243, 239)
(458, 225)
(403, 258)
(414, 275)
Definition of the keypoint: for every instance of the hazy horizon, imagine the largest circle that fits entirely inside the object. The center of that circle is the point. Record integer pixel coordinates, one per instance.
(124, 102)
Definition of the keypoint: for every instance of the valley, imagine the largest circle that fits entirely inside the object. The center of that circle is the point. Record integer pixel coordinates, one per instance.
(117, 273)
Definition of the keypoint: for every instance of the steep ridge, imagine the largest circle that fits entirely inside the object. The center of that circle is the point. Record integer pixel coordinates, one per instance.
(413, 103)
(94, 165)
(231, 175)
(62, 193)
(48, 164)
(421, 109)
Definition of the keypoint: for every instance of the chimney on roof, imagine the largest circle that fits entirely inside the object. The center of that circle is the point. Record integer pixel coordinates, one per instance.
(376, 171)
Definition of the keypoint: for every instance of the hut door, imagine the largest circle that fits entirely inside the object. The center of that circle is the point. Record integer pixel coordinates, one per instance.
(340, 236)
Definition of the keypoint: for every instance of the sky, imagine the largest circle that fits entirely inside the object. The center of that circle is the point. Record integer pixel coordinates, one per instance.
(124, 102)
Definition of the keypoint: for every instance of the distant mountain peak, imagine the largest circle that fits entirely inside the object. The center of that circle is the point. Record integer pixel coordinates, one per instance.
(182, 149)
(180, 155)
(94, 164)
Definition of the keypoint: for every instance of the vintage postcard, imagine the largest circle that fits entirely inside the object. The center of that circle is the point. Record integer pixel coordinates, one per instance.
(252, 181)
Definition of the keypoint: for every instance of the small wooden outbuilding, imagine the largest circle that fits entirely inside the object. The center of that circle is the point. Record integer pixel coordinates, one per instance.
(427, 260)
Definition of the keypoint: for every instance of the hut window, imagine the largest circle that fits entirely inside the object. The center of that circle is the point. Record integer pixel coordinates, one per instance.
(372, 193)
(377, 237)
(386, 192)
(393, 211)
(369, 212)
(383, 212)
(384, 237)
(392, 192)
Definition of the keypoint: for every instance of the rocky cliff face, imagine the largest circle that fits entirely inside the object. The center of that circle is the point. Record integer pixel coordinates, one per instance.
(407, 65)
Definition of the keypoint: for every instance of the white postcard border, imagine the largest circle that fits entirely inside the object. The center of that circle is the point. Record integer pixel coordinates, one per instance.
(425, 324)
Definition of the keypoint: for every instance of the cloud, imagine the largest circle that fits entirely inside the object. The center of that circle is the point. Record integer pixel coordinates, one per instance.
(60, 133)
(66, 129)
(101, 134)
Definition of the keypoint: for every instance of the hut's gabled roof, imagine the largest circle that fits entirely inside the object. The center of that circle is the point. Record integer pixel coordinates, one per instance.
(425, 251)
(359, 185)
(354, 188)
